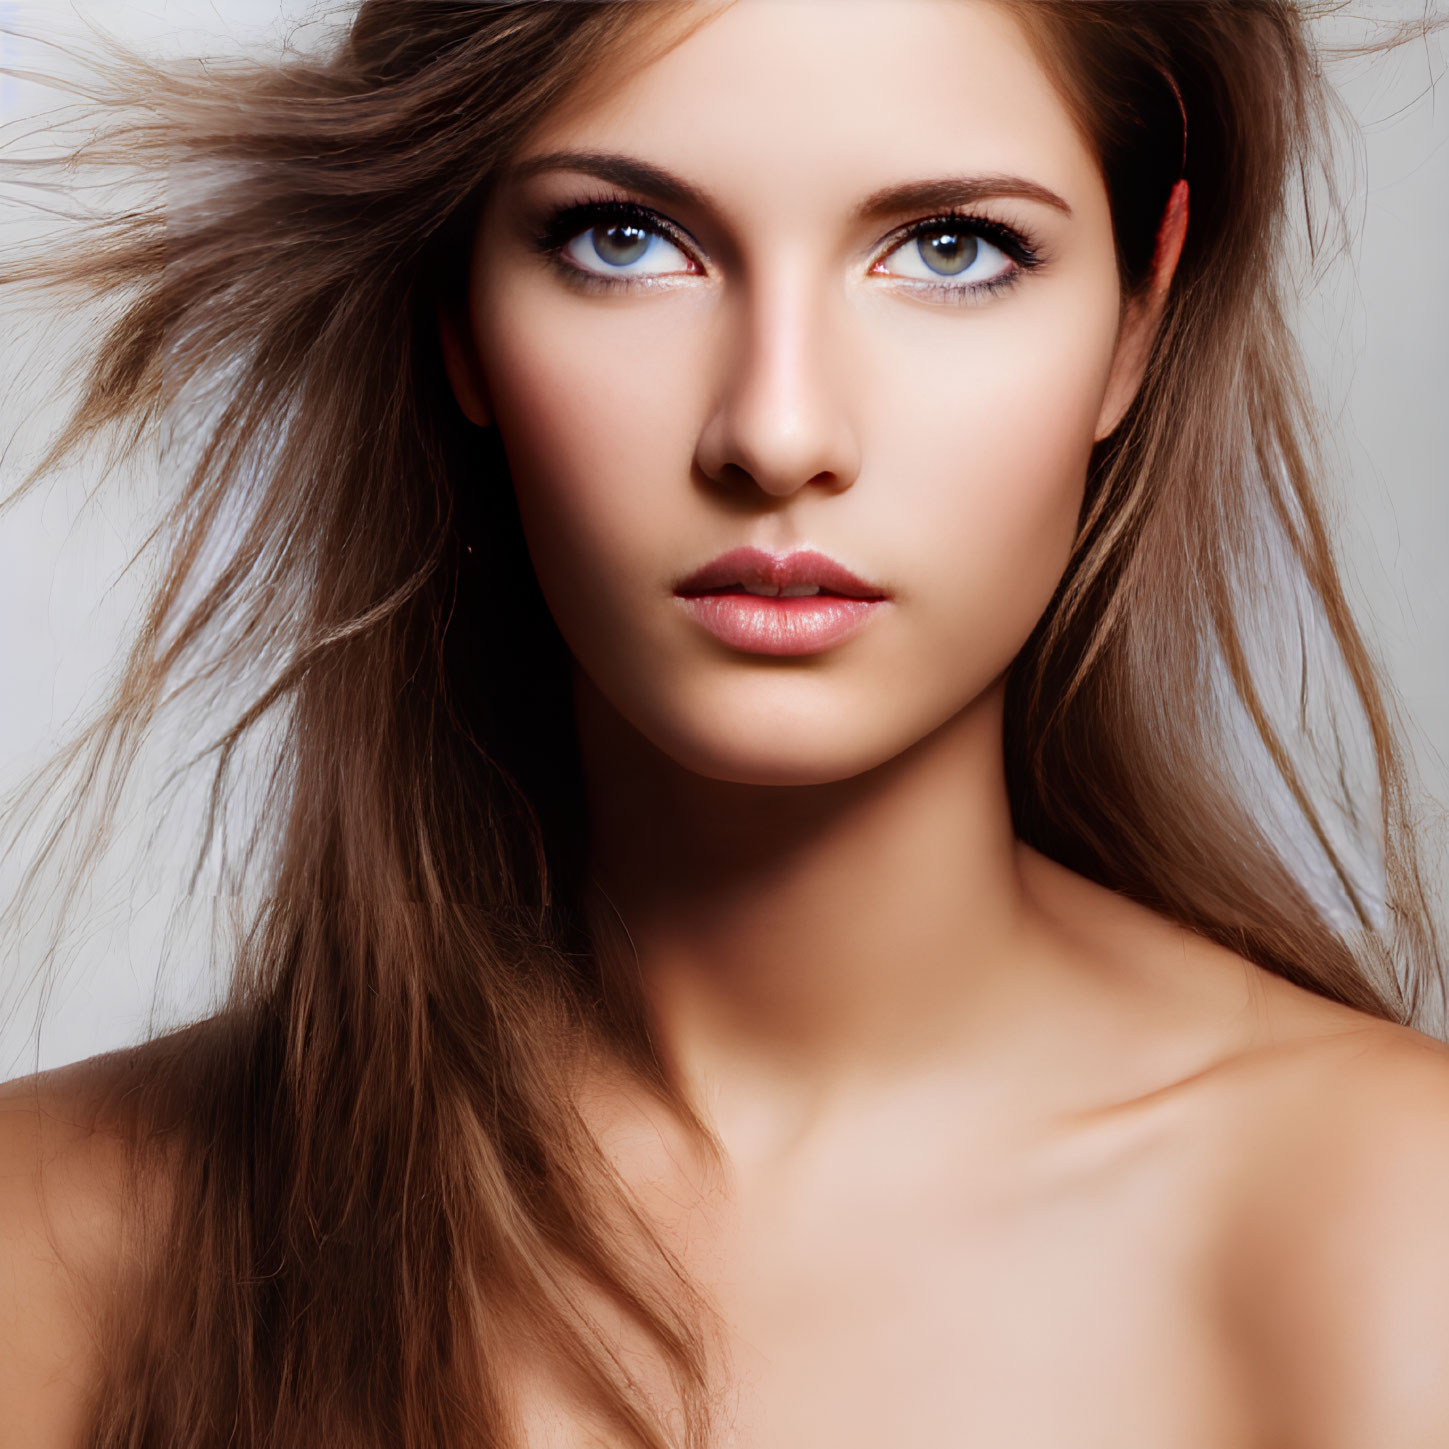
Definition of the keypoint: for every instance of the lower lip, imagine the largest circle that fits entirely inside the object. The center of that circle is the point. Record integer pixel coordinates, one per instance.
(758, 624)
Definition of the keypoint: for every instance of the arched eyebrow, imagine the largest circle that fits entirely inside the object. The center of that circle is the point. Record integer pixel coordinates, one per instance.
(940, 194)
(652, 181)
(955, 191)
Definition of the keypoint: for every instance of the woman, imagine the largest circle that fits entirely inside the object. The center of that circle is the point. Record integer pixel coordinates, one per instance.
(745, 523)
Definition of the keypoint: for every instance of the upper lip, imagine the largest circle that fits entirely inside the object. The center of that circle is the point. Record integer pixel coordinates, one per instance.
(755, 568)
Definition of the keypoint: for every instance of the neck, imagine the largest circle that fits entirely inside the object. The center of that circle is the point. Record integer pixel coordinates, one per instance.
(812, 934)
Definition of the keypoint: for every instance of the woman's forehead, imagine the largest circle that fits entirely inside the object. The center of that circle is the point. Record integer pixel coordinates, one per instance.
(825, 96)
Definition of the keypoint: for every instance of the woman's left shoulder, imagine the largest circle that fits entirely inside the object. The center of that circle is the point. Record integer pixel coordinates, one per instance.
(1338, 1244)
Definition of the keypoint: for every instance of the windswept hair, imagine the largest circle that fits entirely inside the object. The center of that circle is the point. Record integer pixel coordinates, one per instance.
(380, 1191)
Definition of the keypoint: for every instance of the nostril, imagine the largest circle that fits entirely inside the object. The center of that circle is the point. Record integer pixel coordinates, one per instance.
(745, 450)
(733, 473)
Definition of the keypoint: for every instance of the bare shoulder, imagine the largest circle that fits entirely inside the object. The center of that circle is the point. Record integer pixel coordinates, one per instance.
(1316, 1144)
(62, 1180)
(1336, 1248)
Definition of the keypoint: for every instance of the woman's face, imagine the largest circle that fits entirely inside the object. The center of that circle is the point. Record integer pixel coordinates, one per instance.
(825, 299)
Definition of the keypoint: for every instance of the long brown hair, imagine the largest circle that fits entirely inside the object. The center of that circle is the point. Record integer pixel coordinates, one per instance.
(379, 1187)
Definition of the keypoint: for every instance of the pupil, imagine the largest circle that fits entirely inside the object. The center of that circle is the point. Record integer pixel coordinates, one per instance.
(948, 252)
(621, 243)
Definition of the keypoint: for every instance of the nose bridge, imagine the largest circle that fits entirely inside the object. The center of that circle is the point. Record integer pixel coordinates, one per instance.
(783, 414)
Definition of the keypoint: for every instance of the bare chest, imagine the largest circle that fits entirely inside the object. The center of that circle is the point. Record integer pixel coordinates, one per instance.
(1042, 1327)
(1007, 1321)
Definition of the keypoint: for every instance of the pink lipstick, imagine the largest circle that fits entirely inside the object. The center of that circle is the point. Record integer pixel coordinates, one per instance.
(793, 603)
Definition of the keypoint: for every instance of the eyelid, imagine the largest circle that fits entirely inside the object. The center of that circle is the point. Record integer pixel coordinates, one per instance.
(569, 222)
(1008, 239)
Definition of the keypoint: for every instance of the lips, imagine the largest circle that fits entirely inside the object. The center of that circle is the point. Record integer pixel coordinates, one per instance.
(795, 603)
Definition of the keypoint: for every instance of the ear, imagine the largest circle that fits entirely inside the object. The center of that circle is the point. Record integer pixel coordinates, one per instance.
(1143, 315)
(460, 359)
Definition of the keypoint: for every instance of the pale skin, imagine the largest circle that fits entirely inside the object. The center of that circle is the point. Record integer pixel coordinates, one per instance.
(1008, 1160)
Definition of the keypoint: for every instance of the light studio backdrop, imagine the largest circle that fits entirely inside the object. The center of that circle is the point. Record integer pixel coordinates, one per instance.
(1376, 332)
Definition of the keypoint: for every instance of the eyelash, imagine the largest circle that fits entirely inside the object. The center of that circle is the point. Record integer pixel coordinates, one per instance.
(1013, 244)
(569, 221)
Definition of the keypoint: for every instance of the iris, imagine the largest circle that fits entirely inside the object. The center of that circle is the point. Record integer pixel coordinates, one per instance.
(948, 252)
(621, 243)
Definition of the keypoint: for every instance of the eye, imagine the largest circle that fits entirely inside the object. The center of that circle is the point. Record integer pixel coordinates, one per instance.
(624, 247)
(620, 244)
(957, 253)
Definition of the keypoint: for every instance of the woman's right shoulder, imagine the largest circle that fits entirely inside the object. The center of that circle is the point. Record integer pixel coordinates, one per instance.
(64, 1183)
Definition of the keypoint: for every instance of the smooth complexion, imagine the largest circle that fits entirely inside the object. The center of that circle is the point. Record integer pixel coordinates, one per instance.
(794, 376)
(1009, 1160)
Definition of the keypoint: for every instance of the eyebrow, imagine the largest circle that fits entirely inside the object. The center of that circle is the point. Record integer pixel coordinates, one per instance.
(952, 191)
(935, 195)
(621, 170)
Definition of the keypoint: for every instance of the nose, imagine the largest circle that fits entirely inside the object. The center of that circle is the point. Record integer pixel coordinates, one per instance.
(782, 417)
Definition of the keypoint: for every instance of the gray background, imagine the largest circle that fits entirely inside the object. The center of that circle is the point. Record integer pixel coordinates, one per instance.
(1376, 331)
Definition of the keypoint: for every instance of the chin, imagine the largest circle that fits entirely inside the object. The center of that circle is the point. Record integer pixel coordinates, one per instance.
(742, 768)
(769, 728)
(740, 753)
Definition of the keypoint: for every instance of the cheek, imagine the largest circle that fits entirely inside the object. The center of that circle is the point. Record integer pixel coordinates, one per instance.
(974, 430)
(597, 412)
(989, 437)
